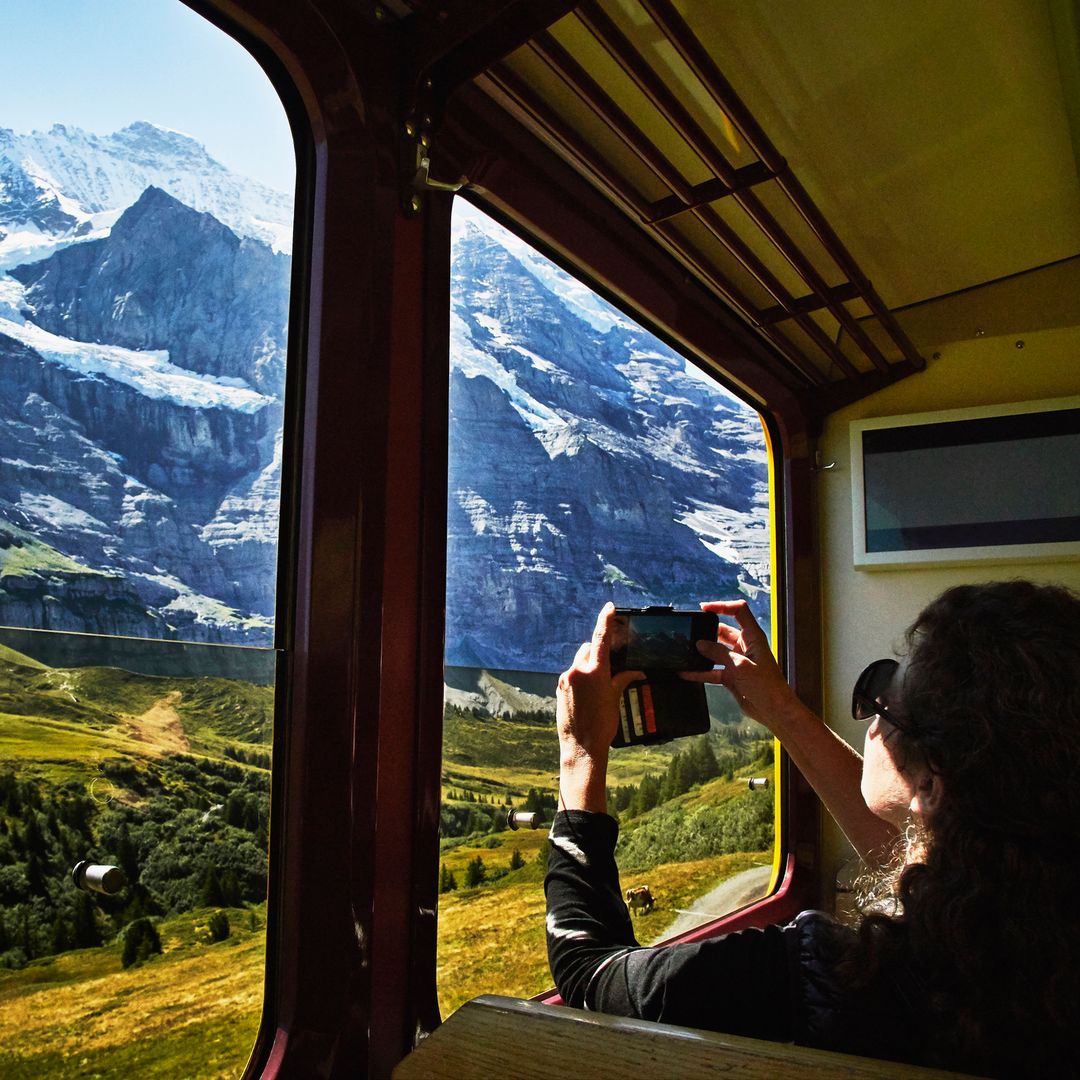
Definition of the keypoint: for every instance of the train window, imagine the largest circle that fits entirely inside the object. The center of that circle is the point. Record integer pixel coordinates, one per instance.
(588, 462)
(146, 179)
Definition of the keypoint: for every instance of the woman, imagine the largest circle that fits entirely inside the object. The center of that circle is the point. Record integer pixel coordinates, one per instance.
(971, 766)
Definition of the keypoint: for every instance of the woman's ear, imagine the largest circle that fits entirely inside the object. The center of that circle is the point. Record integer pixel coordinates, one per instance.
(927, 794)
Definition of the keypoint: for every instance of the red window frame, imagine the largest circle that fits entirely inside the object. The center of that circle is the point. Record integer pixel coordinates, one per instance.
(350, 977)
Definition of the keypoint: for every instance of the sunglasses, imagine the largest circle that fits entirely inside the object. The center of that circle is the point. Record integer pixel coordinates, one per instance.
(871, 688)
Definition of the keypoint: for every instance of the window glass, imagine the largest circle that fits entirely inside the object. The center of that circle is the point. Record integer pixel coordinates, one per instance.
(146, 172)
(588, 462)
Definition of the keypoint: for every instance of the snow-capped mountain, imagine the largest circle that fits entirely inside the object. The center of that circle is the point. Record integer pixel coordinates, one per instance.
(588, 463)
(142, 346)
(142, 365)
(64, 185)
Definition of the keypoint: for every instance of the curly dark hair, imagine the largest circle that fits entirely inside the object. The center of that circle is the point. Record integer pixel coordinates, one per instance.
(990, 920)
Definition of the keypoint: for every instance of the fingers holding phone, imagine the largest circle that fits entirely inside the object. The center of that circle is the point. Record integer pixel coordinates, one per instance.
(746, 667)
(587, 700)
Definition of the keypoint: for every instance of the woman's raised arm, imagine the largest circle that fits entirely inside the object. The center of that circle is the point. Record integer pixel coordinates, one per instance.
(587, 714)
(749, 672)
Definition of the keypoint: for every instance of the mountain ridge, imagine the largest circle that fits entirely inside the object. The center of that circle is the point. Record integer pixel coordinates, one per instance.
(143, 366)
(66, 185)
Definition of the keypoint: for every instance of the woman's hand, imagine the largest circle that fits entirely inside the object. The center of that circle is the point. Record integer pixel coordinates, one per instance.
(587, 717)
(749, 671)
(752, 676)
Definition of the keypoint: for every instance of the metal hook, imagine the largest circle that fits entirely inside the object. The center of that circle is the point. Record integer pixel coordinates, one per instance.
(422, 180)
(818, 467)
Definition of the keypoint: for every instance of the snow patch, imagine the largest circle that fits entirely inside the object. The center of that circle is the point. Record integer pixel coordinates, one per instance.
(61, 515)
(473, 361)
(579, 298)
(149, 372)
(733, 535)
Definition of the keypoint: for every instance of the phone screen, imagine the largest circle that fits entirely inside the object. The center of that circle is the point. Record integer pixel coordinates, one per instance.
(664, 641)
(658, 642)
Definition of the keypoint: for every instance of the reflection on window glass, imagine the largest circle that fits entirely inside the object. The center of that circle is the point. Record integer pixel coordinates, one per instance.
(588, 462)
(145, 220)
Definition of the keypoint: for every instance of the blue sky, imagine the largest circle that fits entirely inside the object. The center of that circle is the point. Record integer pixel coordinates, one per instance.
(102, 64)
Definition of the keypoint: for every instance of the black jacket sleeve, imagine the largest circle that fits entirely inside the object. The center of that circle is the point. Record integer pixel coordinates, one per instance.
(739, 983)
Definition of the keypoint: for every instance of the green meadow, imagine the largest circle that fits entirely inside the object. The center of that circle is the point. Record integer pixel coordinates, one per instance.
(168, 777)
(193, 1011)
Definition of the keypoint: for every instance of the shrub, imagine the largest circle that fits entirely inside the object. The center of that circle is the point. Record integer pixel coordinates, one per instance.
(447, 881)
(140, 942)
(475, 873)
(219, 926)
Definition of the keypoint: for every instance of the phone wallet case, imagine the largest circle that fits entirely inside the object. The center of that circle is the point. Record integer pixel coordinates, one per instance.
(657, 710)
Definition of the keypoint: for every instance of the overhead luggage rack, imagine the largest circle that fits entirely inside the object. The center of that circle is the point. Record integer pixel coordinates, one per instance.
(648, 102)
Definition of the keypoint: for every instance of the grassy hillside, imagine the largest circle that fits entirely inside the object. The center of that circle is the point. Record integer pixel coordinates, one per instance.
(166, 777)
(491, 937)
(193, 1011)
(22, 554)
(11, 656)
(496, 756)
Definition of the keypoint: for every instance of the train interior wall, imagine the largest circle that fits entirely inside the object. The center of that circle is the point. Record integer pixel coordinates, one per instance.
(1016, 342)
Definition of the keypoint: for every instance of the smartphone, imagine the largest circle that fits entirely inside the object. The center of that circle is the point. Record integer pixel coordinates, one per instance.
(660, 640)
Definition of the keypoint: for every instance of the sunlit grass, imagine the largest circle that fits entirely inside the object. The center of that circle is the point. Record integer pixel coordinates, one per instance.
(54, 750)
(191, 1012)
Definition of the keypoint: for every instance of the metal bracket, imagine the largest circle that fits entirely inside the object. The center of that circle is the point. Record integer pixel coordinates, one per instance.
(422, 180)
(416, 168)
(444, 46)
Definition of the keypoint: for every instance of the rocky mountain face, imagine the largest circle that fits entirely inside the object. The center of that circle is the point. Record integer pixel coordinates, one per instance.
(586, 464)
(60, 186)
(169, 277)
(142, 369)
(142, 346)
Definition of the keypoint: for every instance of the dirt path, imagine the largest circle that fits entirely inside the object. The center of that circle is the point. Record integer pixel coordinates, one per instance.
(160, 726)
(729, 895)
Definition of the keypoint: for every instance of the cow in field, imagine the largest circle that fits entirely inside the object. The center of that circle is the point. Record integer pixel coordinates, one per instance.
(640, 899)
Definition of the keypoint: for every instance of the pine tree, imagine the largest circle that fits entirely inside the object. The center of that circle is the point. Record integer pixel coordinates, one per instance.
(219, 926)
(127, 855)
(62, 938)
(141, 940)
(36, 874)
(517, 860)
(475, 873)
(705, 757)
(210, 892)
(234, 810)
(86, 931)
(26, 935)
(447, 881)
(12, 795)
(33, 837)
(252, 813)
(230, 890)
(646, 796)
